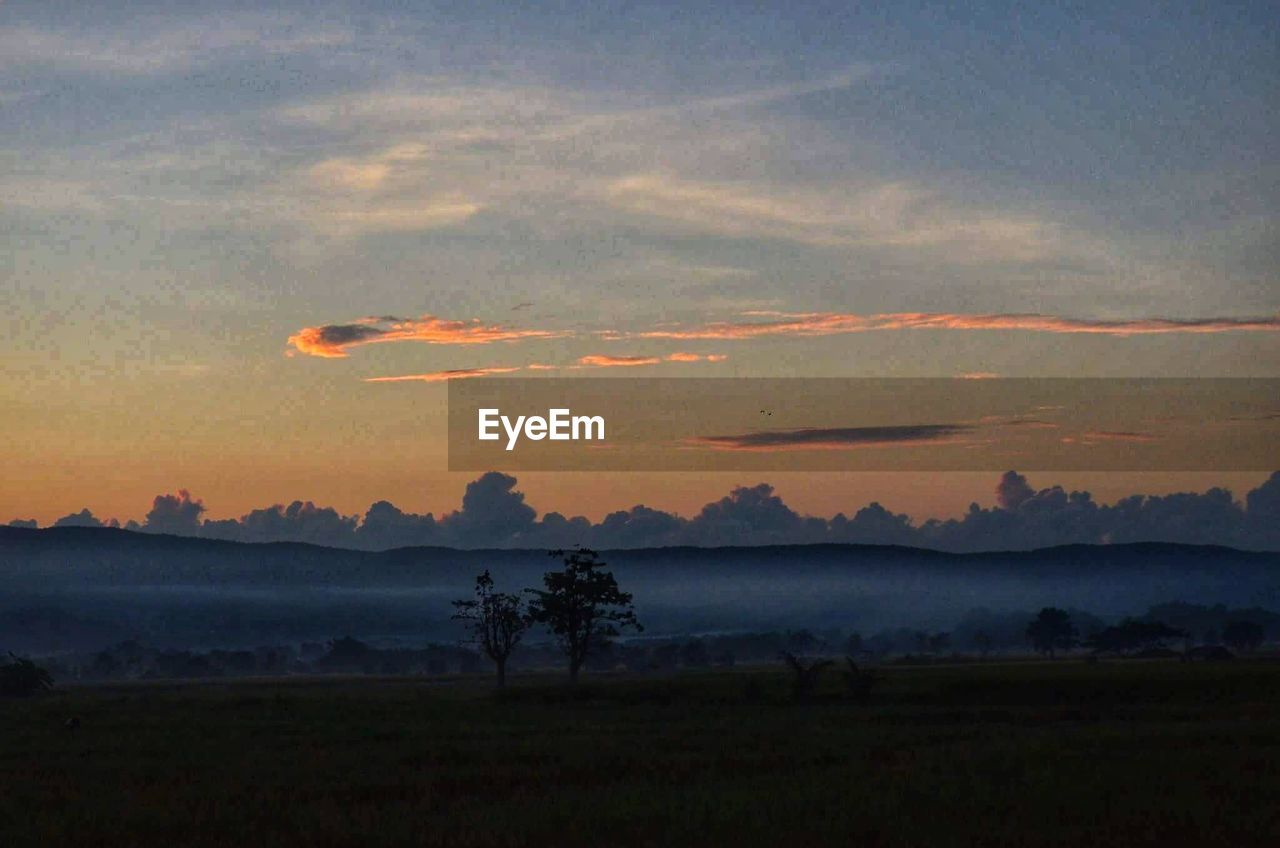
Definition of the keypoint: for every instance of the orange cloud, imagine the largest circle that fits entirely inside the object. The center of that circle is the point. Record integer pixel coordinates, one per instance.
(442, 376)
(832, 323)
(600, 360)
(603, 360)
(333, 340)
(696, 357)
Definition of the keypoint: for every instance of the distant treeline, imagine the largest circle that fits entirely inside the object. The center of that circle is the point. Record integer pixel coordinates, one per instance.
(980, 633)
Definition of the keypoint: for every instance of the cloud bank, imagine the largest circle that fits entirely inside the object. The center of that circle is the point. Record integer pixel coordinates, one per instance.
(494, 513)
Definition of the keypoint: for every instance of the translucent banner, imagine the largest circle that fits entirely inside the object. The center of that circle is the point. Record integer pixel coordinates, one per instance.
(833, 424)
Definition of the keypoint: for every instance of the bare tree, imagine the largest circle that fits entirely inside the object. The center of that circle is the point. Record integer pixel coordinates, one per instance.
(581, 605)
(804, 677)
(859, 680)
(496, 622)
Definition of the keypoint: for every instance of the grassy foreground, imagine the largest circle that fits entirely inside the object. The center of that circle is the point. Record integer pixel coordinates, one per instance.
(1054, 754)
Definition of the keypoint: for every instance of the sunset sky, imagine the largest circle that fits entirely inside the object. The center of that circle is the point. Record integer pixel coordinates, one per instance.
(243, 249)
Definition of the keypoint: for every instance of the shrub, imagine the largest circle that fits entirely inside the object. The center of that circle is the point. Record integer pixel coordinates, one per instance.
(21, 677)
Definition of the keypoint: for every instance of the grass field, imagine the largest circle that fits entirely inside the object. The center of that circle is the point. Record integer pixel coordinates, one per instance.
(1056, 754)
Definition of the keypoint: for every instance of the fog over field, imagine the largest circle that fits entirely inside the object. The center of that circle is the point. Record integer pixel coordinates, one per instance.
(81, 588)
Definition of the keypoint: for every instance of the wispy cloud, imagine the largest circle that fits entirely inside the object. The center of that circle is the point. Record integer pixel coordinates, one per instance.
(892, 214)
(600, 360)
(597, 360)
(837, 438)
(696, 357)
(443, 376)
(831, 323)
(1094, 436)
(157, 48)
(334, 340)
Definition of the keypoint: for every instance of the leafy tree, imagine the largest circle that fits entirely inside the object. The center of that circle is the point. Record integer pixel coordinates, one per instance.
(1051, 631)
(1243, 635)
(581, 605)
(20, 677)
(496, 622)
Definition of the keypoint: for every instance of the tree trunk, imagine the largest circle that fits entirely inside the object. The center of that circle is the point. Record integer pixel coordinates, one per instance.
(502, 672)
(574, 665)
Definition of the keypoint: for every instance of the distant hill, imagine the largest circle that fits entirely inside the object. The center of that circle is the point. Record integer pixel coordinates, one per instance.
(201, 591)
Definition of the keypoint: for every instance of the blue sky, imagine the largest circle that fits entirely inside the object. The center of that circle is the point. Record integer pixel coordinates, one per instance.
(185, 187)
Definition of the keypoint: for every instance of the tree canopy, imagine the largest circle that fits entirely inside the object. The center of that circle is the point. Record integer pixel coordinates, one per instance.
(581, 605)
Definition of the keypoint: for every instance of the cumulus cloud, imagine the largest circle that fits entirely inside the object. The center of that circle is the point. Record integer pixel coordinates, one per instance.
(494, 513)
(386, 526)
(873, 525)
(83, 518)
(1013, 490)
(176, 514)
(298, 522)
(834, 438)
(332, 341)
(753, 515)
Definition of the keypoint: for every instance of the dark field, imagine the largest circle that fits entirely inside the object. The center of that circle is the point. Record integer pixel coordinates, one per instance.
(1067, 753)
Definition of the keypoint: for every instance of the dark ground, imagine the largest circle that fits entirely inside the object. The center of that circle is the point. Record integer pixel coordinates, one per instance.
(1066, 753)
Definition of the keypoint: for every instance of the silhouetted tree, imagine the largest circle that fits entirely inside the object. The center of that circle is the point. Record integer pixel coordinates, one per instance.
(801, 642)
(853, 645)
(983, 640)
(693, 654)
(804, 678)
(1243, 635)
(859, 680)
(664, 657)
(581, 604)
(1052, 631)
(496, 621)
(347, 654)
(939, 642)
(1133, 635)
(20, 677)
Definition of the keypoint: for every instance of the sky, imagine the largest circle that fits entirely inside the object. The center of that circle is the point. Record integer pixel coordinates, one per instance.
(224, 226)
